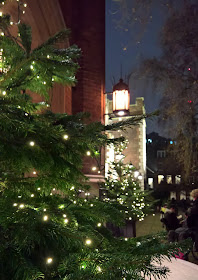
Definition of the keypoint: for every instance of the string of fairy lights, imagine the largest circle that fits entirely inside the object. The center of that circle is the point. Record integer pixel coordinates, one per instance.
(32, 143)
(65, 219)
(130, 174)
(21, 9)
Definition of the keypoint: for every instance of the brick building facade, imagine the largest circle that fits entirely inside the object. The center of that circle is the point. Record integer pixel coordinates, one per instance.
(86, 20)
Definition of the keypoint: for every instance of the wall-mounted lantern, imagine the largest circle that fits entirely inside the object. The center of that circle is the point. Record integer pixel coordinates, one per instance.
(121, 99)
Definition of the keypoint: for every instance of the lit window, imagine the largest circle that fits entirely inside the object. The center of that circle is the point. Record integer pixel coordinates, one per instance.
(169, 179)
(160, 178)
(172, 195)
(150, 182)
(177, 179)
(182, 195)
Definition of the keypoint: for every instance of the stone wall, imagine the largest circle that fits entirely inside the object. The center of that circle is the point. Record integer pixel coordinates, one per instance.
(136, 135)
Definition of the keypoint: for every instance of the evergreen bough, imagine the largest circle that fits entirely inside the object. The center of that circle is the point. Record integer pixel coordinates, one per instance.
(47, 231)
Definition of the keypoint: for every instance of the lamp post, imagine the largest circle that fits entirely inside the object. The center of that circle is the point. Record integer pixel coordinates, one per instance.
(121, 99)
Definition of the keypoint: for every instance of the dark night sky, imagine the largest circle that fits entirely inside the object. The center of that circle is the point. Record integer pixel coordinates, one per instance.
(121, 48)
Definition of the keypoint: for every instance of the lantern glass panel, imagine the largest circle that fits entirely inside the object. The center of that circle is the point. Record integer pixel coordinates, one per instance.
(120, 100)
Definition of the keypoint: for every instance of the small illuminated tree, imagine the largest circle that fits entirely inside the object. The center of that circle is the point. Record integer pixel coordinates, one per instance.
(122, 186)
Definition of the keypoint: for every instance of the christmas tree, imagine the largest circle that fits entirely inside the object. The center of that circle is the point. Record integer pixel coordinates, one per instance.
(47, 230)
(123, 187)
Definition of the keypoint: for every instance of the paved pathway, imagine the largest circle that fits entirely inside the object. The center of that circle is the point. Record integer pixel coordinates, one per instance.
(180, 270)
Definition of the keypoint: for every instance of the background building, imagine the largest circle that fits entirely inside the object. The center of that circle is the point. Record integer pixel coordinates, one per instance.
(163, 170)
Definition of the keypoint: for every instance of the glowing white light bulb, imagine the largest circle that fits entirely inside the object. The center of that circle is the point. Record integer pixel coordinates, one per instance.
(31, 67)
(34, 172)
(49, 260)
(88, 153)
(32, 143)
(21, 206)
(4, 92)
(44, 83)
(38, 77)
(66, 221)
(121, 113)
(126, 239)
(15, 204)
(44, 209)
(32, 195)
(88, 242)
(1, 14)
(64, 215)
(65, 136)
(93, 168)
(99, 225)
(38, 189)
(45, 218)
(72, 188)
(99, 269)
(91, 205)
(48, 56)
(25, 5)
